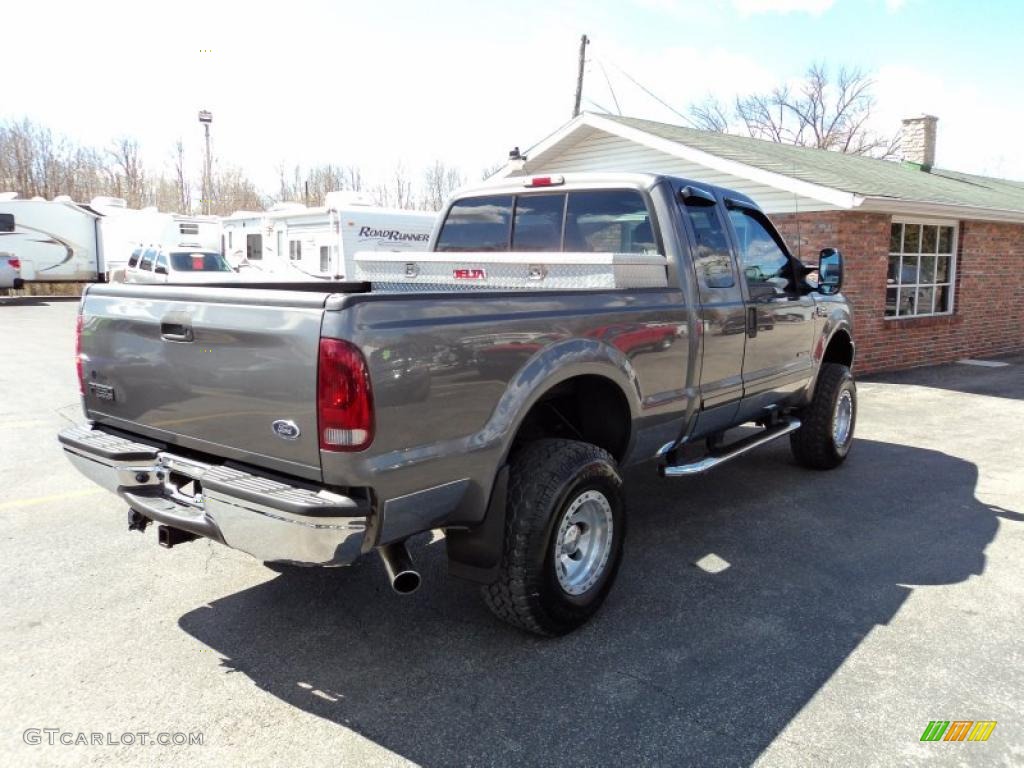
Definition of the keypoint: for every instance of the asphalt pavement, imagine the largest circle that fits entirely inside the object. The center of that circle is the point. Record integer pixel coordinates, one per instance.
(764, 614)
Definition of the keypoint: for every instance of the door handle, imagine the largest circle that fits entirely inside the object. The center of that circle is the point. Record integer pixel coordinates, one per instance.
(751, 322)
(176, 332)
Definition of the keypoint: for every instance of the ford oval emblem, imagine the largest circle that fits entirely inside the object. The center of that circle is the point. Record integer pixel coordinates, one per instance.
(288, 430)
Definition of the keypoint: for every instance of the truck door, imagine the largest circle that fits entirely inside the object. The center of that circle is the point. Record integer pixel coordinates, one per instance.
(722, 310)
(779, 321)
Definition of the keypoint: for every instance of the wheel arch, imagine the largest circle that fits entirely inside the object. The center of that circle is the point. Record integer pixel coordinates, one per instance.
(597, 379)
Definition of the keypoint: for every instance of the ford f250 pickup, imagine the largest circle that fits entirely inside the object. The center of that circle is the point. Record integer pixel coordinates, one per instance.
(556, 330)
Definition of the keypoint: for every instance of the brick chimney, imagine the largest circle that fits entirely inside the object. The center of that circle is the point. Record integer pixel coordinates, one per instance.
(918, 140)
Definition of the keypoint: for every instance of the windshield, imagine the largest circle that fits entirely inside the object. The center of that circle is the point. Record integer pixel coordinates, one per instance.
(199, 262)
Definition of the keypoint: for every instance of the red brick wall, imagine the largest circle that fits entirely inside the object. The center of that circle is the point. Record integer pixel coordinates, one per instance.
(988, 311)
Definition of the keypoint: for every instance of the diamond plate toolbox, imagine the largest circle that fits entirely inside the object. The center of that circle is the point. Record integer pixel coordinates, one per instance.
(489, 271)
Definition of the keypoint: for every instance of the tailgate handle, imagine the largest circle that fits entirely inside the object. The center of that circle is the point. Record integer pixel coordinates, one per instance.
(176, 331)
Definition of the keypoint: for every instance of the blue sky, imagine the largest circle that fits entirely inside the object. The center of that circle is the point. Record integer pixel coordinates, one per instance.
(381, 83)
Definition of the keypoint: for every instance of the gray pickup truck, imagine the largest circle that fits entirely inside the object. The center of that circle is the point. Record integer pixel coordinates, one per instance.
(310, 424)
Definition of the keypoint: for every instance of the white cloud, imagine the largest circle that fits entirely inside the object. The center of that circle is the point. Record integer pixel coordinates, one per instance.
(752, 7)
(892, 6)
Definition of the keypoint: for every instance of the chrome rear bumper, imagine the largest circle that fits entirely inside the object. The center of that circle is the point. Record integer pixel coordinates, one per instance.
(268, 519)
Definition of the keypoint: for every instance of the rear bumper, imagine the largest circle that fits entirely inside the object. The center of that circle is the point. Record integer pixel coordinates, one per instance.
(268, 519)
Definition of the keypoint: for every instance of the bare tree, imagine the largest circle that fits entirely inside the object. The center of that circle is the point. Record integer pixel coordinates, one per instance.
(711, 115)
(233, 191)
(128, 177)
(312, 186)
(486, 173)
(353, 178)
(184, 196)
(439, 181)
(396, 192)
(817, 112)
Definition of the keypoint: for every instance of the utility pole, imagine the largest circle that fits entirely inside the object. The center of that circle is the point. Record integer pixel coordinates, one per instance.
(579, 76)
(206, 117)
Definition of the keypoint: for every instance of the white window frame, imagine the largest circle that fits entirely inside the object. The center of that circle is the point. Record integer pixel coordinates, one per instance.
(295, 250)
(953, 265)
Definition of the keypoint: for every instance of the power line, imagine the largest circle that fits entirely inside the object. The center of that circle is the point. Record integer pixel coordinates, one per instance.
(603, 109)
(612, 90)
(653, 95)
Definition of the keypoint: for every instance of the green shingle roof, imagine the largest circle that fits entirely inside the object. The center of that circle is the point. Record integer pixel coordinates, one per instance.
(850, 173)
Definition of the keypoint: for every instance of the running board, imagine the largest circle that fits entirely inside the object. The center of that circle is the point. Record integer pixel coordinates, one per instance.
(731, 452)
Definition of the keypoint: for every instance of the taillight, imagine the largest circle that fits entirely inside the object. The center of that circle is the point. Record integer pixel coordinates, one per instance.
(344, 398)
(78, 356)
(14, 263)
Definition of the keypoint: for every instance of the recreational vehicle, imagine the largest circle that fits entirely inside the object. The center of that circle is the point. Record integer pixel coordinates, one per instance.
(61, 240)
(292, 241)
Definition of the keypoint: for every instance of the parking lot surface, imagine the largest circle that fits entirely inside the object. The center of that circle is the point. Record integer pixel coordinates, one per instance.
(764, 613)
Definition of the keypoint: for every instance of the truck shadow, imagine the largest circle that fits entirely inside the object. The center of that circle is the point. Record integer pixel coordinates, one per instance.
(682, 666)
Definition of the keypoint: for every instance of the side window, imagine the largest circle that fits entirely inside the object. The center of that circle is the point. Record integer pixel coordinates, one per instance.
(765, 264)
(161, 261)
(608, 221)
(295, 250)
(254, 247)
(134, 260)
(712, 258)
(478, 224)
(538, 223)
(147, 261)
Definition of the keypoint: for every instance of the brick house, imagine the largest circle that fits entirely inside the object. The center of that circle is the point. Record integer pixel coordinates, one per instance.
(935, 258)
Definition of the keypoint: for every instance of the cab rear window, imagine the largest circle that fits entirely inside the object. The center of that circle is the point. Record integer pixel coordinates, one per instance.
(199, 262)
(478, 224)
(606, 220)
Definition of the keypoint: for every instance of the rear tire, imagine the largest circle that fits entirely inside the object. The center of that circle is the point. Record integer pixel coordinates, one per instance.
(564, 529)
(826, 434)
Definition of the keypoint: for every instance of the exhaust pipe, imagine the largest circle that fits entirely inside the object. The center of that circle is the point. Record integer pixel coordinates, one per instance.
(403, 577)
(168, 536)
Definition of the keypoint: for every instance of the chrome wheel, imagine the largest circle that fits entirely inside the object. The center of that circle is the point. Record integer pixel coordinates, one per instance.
(583, 542)
(842, 420)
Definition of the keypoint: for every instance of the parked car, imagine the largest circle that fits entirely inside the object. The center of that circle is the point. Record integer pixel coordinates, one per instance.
(312, 424)
(159, 265)
(10, 271)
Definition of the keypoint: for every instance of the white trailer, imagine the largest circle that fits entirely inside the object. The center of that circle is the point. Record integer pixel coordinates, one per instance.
(291, 240)
(61, 240)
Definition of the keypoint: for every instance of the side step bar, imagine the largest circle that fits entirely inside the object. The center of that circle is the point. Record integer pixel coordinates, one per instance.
(730, 452)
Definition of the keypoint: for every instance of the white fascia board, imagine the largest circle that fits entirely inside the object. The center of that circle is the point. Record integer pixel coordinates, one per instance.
(838, 198)
(896, 206)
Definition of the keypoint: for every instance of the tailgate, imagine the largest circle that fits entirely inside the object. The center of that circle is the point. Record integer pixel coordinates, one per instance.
(226, 371)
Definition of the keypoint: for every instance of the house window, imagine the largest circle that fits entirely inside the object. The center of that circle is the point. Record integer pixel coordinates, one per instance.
(295, 250)
(922, 268)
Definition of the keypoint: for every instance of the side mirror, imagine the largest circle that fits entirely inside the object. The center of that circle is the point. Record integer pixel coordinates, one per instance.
(830, 271)
(161, 270)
